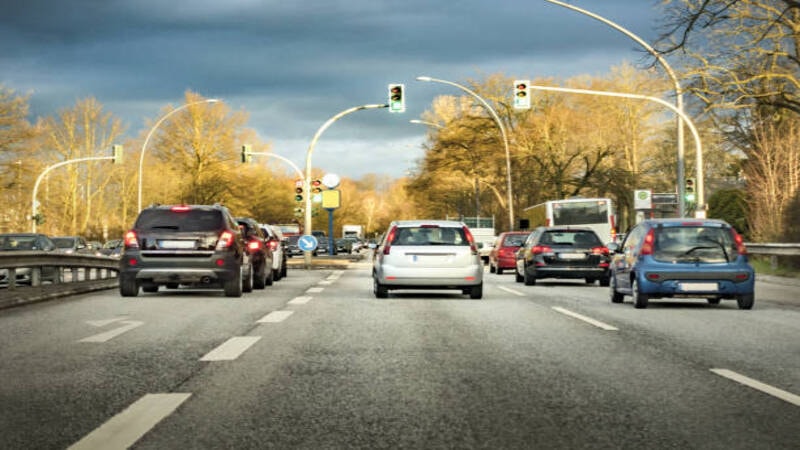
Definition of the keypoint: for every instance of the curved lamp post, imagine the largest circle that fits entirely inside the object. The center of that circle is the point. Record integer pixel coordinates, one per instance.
(678, 104)
(150, 134)
(502, 132)
(423, 122)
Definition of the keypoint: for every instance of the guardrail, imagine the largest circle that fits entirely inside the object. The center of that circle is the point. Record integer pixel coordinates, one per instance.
(773, 251)
(52, 275)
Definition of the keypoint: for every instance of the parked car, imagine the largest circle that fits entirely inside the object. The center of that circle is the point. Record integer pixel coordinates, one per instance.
(503, 254)
(278, 244)
(427, 254)
(261, 256)
(72, 245)
(679, 258)
(292, 249)
(112, 248)
(32, 242)
(564, 252)
(200, 245)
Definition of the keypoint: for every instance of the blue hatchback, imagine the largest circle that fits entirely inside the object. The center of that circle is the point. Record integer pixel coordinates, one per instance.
(694, 258)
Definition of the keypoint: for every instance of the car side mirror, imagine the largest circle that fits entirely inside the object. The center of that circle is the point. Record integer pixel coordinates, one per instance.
(613, 247)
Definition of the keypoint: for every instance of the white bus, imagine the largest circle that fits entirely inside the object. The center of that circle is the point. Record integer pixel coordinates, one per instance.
(595, 213)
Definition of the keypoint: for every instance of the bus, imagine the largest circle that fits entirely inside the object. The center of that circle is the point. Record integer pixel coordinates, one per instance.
(595, 213)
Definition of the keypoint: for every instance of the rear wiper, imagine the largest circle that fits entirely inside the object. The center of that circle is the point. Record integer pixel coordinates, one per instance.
(700, 247)
(167, 227)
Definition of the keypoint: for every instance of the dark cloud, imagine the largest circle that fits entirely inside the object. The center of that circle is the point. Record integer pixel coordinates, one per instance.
(292, 65)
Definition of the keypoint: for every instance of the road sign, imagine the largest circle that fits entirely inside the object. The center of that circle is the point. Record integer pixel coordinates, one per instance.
(307, 243)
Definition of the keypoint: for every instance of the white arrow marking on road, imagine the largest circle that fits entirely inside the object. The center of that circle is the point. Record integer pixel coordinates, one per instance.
(596, 323)
(755, 384)
(127, 427)
(275, 316)
(108, 335)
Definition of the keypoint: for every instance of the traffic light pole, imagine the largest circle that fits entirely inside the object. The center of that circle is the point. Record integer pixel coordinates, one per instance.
(307, 180)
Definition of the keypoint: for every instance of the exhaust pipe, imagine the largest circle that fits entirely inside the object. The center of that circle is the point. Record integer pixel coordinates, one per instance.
(205, 280)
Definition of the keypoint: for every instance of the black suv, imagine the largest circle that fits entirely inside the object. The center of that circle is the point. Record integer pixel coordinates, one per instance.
(196, 245)
(260, 252)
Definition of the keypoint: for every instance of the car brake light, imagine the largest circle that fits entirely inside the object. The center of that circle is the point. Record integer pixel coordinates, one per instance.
(539, 249)
(471, 240)
(273, 245)
(225, 240)
(647, 245)
(130, 240)
(600, 251)
(254, 245)
(180, 208)
(389, 240)
(737, 238)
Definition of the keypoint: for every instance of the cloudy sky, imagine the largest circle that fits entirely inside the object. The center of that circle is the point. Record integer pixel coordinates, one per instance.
(294, 64)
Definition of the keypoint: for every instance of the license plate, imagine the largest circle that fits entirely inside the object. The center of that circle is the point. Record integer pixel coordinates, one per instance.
(572, 256)
(176, 244)
(696, 287)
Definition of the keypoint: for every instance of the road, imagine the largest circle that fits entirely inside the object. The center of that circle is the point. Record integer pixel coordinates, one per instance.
(315, 361)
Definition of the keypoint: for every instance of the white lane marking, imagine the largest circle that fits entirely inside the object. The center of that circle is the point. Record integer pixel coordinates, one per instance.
(275, 316)
(315, 290)
(127, 427)
(231, 349)
(111, 334)
(511, 291)
(589, 320)
(300, 300)
(325, 282)
(102, 323)
(755, 384)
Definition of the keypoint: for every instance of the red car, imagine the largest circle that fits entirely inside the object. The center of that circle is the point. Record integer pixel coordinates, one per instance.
(503, 255)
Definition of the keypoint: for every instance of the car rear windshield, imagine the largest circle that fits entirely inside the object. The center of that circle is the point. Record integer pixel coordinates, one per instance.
(572, 238)
(63, 242)
(10, 243)
(711, 244)
(514, 240)
(191, 220)
(427, 235)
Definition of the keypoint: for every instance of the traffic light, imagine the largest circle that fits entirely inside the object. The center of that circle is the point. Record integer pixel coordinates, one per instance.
(522, 98)
(246, 156)
(397, 101)
(116, 154)
(298, 193)
(316, 186)
(690, 189)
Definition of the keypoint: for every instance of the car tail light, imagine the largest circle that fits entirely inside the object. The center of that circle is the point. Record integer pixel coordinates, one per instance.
(647, 244)
(180, 208)
(600, 251)
(389, 240)
(130, 240)
(225, 240)
(471, 240)
(254, 245)
(273, 245)
(539, 249)
(737, 238)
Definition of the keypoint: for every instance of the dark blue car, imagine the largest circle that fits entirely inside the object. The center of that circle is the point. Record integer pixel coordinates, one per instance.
(682, 258)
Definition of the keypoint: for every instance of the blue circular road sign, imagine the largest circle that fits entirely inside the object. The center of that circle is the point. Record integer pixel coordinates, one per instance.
(307, 243)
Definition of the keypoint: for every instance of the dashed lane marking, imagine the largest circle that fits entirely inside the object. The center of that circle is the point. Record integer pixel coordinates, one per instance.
(231, 349)
(512, 291)
(302, 300)
(755, 384)
(275, 317)
(127, 427)
(315, 290)
(586, 319)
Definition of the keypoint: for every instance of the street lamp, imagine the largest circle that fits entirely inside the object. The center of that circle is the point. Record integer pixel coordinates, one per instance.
(502, 132)
(423, 122)
(152, 130)
(678, 104)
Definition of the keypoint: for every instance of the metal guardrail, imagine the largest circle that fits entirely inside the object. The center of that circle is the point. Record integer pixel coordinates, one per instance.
(773, 249)
(74, 274)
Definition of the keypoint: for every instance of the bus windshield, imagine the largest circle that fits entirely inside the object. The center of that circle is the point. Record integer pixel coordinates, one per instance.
(580, 213)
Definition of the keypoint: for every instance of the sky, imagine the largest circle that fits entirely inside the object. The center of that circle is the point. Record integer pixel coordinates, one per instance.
(293, 65)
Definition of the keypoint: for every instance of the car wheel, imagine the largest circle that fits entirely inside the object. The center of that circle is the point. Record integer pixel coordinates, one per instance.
(499, 271)
(491, 268)
(476, 292)
(283, 269)
(745, 301)
(517, 277)
(530, 280)
(604, 281)
(128, 287)
(269, 277)
(713, 300)
(259, 278)
(639, 300)
(233, 286)
(616, 297)
(380, 290)
(247, 282)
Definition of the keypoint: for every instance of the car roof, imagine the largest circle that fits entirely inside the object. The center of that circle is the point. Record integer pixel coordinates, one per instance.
(568, 228)
(686, 221)
(419, 223)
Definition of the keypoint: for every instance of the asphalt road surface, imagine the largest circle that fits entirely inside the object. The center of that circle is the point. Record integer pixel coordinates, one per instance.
(316, 361)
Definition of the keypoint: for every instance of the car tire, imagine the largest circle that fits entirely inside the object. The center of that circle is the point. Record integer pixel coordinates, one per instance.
(604, 281)
(247, 282)
(517, 277)
(499, 271)
(128, 287)
(476, 292)
(745, 301)
(530, 280)
(639, 300)
(492, 269)
(269, 277)
(259, 277)
(380, 290)
(615, 296)
(283, 269)
(233, 286)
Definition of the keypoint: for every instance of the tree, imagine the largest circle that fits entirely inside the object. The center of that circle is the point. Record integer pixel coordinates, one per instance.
(15, 176)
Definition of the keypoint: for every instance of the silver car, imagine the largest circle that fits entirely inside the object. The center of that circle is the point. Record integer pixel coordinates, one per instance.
(427, 254)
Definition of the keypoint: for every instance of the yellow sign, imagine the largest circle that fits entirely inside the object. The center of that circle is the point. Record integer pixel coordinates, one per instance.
(331, 199)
